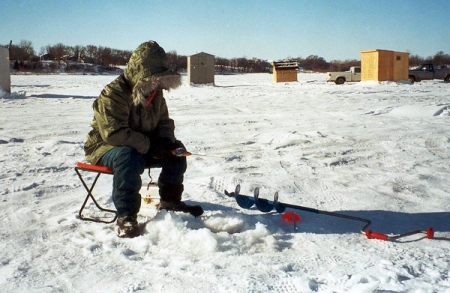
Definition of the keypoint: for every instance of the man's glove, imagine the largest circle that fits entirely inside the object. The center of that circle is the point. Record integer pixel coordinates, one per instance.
(161, 148)
(167, 144)
(176, 148)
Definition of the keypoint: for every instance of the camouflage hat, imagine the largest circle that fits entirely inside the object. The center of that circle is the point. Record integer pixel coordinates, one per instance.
(148, 59)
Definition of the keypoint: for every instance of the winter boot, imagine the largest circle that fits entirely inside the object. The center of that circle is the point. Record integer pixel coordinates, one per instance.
(127, 227)
(171, 200)
(181, 206)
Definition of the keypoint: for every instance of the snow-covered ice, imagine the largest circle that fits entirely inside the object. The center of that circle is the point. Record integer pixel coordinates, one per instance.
(375, 150)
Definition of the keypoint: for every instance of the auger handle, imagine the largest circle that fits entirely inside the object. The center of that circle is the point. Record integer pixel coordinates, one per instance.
(430, 233)
(375, 235)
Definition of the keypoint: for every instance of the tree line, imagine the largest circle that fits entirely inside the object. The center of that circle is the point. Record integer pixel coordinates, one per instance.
(24, 57)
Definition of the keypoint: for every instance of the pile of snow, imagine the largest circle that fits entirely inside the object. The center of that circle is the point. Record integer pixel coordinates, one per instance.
(378, 151)
(13, 95)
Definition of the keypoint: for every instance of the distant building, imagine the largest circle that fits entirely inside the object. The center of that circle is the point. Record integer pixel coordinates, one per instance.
(5, 77)
(200, 68)
(46, 56)
(285, 71)
(384, 65)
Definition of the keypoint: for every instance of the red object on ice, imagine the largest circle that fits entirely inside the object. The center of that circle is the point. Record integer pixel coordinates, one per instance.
(290, 217)
(430, 233)
(375, 235)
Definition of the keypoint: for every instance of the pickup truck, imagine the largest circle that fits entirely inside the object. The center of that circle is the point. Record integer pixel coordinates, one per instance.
(427, 71)
(354, 74)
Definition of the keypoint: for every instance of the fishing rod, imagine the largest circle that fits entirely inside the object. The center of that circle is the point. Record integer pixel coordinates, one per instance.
(182, 152)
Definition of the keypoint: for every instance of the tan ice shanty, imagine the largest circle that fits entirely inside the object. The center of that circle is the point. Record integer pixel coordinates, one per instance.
(5, 78)
(201, 68)
(384, 65)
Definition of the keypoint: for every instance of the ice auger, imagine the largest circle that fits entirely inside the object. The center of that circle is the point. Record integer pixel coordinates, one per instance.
(265, 206)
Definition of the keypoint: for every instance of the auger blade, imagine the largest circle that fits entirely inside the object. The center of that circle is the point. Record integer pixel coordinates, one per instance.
(280, 208)
(262, 204)
(243, 201)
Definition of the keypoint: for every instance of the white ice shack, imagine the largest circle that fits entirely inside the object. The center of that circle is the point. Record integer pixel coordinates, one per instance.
(5, 78)
(201, 68)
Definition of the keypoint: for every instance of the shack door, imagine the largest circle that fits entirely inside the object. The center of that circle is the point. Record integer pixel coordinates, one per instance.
(202, 70)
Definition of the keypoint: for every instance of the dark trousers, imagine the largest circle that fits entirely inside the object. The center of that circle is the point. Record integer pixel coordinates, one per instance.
(128, 165)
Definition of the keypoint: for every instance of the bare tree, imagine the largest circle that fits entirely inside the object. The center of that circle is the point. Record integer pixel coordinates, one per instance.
(79, 53)
(27, 48)
(108, 56)
(24, 51)
(337, 65)
(440, 58)
(105, 55)
(415, 60)
(222, 64)
(242, 64)
(57, 51)
(92, 53)
(172, 60)
(316, 63)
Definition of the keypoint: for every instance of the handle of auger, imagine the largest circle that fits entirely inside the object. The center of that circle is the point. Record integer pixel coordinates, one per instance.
(430, 233)
(380, 236)
(375, 235)
(333, 214)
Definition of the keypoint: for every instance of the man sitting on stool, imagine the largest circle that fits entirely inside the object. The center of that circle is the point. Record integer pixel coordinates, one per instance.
(131, 131)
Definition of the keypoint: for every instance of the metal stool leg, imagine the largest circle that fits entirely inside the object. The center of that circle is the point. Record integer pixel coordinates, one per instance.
(90, 195)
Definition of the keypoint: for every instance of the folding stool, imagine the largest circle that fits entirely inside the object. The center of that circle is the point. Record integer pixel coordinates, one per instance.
(99, 170)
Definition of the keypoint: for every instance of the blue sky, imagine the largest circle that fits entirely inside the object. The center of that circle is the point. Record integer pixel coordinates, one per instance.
(271, 30)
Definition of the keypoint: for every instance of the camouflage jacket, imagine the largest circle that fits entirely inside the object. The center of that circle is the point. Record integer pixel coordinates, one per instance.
(121, 115)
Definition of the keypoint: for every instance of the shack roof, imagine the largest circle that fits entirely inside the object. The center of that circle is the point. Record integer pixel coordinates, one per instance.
(285, 64)
(201, 54)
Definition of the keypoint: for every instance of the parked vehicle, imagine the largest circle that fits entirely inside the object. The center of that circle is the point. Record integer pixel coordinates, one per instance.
(354, 74)
(428, 71)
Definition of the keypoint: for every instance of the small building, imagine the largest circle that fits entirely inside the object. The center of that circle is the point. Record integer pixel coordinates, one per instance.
(384, 65)
(5, 77)
(201, 68)
(285, 71)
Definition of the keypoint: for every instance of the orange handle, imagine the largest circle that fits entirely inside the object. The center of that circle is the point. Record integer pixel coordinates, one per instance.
(430, 233)
(376, 235)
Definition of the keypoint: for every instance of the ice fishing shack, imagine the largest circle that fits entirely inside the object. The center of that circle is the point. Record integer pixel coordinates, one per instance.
(5, 78)
(384, 65)
(201, 68)
(285, 71)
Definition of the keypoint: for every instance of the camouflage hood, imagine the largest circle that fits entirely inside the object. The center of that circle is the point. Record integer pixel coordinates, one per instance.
(147, 70)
